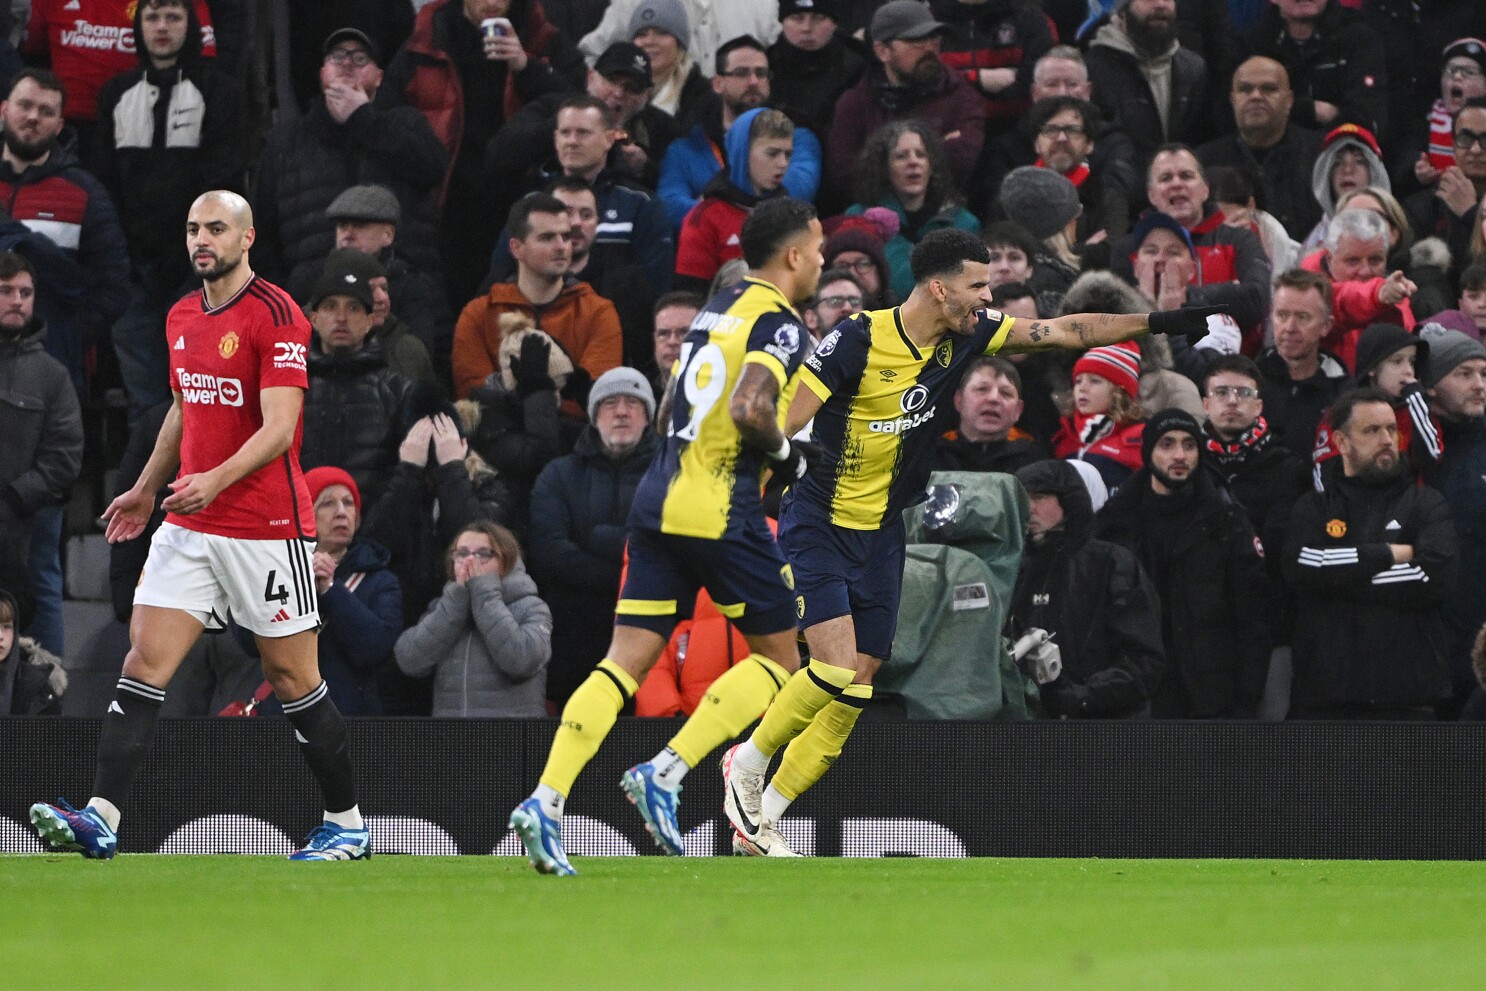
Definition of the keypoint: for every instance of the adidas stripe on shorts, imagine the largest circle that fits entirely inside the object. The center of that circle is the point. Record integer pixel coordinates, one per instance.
(267, 586)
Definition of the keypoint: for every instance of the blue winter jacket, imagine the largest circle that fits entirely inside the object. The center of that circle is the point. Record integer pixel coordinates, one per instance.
(693, 159)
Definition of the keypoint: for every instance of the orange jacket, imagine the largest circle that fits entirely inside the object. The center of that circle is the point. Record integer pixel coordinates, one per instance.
(583, 322)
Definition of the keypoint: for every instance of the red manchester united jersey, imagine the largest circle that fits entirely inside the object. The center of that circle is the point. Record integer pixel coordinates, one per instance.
(220, 360)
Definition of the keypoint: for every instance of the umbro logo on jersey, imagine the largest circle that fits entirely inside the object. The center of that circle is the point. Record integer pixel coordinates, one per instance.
(280, 616)
(180, 343)
(888, 374)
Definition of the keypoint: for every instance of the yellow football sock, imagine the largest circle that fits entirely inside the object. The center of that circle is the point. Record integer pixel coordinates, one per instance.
(586, 720)
(734, 700)
(806, 694)
(813, 752)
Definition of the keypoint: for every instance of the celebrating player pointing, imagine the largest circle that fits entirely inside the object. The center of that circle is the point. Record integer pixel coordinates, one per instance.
(873, 388)
(238, 535)
(696, 521)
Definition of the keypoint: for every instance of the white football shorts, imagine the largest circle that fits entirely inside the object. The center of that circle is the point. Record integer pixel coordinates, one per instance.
(267, 586)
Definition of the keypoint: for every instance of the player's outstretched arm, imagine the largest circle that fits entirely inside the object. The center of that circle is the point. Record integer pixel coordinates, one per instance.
(281, 406)
(129, 513)
(1078, 331)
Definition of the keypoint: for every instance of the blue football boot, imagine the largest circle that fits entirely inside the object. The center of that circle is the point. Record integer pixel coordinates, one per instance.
(61, 827)
(332, 842)
(542, 836)
(657, 805)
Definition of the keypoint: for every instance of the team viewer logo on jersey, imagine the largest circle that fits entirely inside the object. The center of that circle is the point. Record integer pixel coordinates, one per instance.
(209, 390)
(287, 354)
(227, 346)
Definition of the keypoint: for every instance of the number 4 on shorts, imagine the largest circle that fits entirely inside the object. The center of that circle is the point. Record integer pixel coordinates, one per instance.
(269, 595)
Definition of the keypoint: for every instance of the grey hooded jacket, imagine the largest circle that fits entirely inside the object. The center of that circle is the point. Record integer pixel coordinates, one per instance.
(488, 642)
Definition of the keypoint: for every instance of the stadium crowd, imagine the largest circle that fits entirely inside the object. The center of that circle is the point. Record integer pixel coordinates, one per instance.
(501, 217)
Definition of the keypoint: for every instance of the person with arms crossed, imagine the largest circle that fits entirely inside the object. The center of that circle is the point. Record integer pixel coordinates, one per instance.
(697, 521)
(841, 525)
(238, 535)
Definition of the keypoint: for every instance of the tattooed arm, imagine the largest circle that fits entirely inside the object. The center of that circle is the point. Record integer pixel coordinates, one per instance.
(1080, 331)
(1074, 332)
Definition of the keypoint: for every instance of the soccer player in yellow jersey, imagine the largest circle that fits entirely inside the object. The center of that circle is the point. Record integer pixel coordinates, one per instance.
(873, 387)
(697, 521)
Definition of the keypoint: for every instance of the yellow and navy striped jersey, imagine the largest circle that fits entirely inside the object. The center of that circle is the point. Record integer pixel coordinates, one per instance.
(880, 394)
(705, 481)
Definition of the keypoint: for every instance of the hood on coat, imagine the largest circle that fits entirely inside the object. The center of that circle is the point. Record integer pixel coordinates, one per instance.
(1060, 478)
(1113, 36)
(190, 48)
(1377, 175)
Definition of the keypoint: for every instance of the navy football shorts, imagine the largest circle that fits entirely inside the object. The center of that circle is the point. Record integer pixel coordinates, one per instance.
(746, 575)
(845, 572)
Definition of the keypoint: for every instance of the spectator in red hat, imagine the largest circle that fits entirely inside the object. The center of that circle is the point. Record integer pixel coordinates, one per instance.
(1105, 424)
(858, 244)
(1350, 160)
(360, 599)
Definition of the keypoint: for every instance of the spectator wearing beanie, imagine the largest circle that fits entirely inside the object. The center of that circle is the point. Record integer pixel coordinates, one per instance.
(1200, 550)
(581, 506)
(360, 599)
(1046, 205)
(858, 244)
(814, 63)
(1104, 427)
(1166, 266)
(709, 23)
(1455, 382)
(1395, 362)
(357, 410)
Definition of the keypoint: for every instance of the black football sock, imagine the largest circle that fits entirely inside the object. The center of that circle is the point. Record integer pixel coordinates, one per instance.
(128, 726)
(321, 733)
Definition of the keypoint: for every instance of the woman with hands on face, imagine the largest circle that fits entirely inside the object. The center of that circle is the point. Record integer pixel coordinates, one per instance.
(488, 637)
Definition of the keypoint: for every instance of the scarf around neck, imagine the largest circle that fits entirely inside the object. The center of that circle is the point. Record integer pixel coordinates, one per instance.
(1251, 441)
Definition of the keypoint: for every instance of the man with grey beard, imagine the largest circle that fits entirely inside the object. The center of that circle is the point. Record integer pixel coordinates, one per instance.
(1145, 82)
(1372, 559)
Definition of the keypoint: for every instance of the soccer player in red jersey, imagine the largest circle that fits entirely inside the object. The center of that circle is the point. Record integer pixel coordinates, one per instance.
(238, 535)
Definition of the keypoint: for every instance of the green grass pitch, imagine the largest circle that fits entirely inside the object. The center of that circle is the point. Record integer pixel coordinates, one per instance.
(164, 922)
